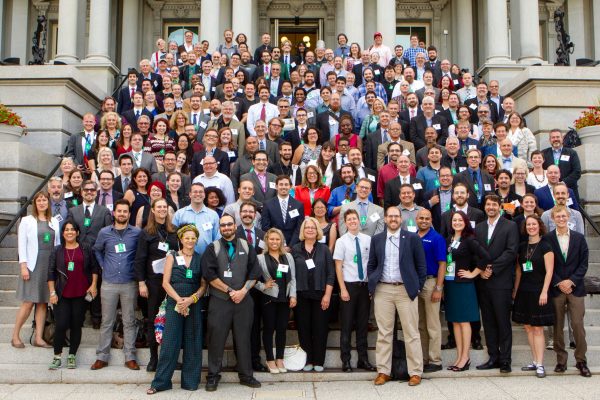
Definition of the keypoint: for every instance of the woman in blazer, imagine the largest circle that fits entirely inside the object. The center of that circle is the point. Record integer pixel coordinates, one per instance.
(521, 137)
(37, 236)
(279, 290)
(72, 275)
(315, 276)
(312, 188)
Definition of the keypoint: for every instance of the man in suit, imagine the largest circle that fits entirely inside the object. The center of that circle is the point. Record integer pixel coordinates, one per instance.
(107, 195)
(264, 144)
(197, 117)
(80, 144)
(566, 159)
(568, 288)
(284, 212)
(146, 73)
(328, 122)
(395, 136)
(460, 202)
(439, 200)
(170, 166)
(263, 181)
(136, 111)
(507, 159)
(365, 61)
(295, 136)
(479, 183)
(140, 158)
(391, 195)
(544, 194)
(374, 139)
(370, 215)
(285, 166)
(428, 85)
(125, 96)
(482, 98)
(126, 167)
(265, 46)
(500, 237)
(453, 157)
(561, 197)
(209, 142)
(419, 123)
(396, 272)
(496, 99)
(444, 70)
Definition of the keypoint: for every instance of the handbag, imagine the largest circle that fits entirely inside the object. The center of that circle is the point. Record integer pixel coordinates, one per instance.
(399, 365)
(294, 358)
(159, 321)
(49, 327)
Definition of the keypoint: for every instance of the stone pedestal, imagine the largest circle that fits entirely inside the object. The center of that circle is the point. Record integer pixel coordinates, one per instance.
(103, 75)
(501, 72)
(10, 133)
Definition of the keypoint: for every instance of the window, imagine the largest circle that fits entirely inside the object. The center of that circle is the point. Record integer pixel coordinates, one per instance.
(405, 30)
(175, 31)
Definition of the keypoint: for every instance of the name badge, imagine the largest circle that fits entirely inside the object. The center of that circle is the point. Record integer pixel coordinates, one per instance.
(450, 271)
(87, 222)
(323, 239)
(231, 154)
(188, 273)
(120, 248)
(411, 228)
(310, 264)
(310, 115)
(109, 206)
(293, 213)
(180, 260)
(207, 226)
(240, 91)
(406, 152)
(71, 266)
(332, 121)
(455, 244)
(345, 201)
(570, 202)
(565, 158)
(371, 177)
(417, 186)
(68, 195)
(377, 72)
(58, 217)
(234, 131)
(461, 169)
(293, 65)
(203, 124)
(272, 185)
(472, 147)
(163, 246)
(47, 237)
(527, 266)
(374, 217)
(155, 83)
(487, 187)
(472, 224)
(206, 110)
(213, 89)
(261, 244)
(517, 203)
(437, 127)
(473, 106)
(283, 268)
(455, 81)
(227, 274)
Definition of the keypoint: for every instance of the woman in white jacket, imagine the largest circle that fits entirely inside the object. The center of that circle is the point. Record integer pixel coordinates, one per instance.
(521, 137)
(38, 234)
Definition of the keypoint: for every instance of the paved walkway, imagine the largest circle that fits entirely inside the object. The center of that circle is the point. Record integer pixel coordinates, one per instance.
(550, 388)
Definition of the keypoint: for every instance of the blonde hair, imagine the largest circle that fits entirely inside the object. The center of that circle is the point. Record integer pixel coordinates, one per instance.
(314, 221)
(173, 120)
(275, 231)
(105, 117)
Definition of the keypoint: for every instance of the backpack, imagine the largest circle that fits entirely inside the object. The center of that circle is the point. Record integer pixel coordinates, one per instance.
(399, 365)
(571, 139)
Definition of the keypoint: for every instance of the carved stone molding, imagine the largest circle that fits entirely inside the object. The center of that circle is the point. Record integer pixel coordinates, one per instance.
(41, 6)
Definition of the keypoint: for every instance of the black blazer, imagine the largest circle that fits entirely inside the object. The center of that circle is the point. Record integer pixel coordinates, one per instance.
(474, 215)
(74, 148)
(129, 116)
(405, 116)
(503, 249)
(570, 171)
(413, 267)
(259, 50)
(219, 155)
(240, 233)
(57, 267)
(100, 218)
(358, 74)
(279, 85)
(475, 117)
(466, 178)
(436, 210)
(322, 123)
(156, 82)
(324, 274)
(371, 145)
(574, 267)
(124, 100)
(417, 130)
(391, 196)
(272, 218)
(116, 195)
(119, 183)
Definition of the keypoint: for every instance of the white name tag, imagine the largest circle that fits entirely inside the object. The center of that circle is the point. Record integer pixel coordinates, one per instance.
(461, 169)
(472, 147)
(227, 274)
(374, 217)
(371, 177)
(261, 244)
(417, 186)
(323, 240)
(332, 121)
(517, 203)
(240, 91)
(293, 213)
(487, 186)
(234, 131)
(406, 153)
(231, 154)
(310, 115)
(437, 127)
(272, 185)
(163, 246)
(120, 248)
(203, 124)
(68, 195)
(570, 202)
(293, 65)
(455, 81)
(180, 260)
(206, 111)
(472, 224)
(109, 206)
(412, 229)
(207, 226)
(58, 217)
(310, 264)
(455, 244)
(565, 158)
(473, 106)
(213, 89)
(283, 268)
(376, 72)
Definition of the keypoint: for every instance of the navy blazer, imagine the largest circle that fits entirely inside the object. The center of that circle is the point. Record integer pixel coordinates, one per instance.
(271, 218)
(413, 266)
(570, 171)
(574, 267)
(546, 201)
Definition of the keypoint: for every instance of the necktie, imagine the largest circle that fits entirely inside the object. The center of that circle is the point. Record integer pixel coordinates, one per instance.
(262, 145)
(287, 60)
(412, 114)
(301, 133)
(263, 113)
(56, 209)
(475, 183)
(385, 136)
(230, 250)
(361, 274)
(266, 70)
(103, 202)
(284, 209)
(132, 92)
(137, 114)
(363, 210)
(125, 184)
(87, 212)
(343, 160)
(249, 236)
(195, 119)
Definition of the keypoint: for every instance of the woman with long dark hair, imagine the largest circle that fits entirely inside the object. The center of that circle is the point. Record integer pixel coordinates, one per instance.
(137, 194)
(311, 189)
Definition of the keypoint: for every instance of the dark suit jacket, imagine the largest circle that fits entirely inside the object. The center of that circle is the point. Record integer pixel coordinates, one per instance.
(272, 218)
(293, 137)
(371, 145)
(446, 114)
(129, 116)
(474, 214)
(124, 100)
(436, 210)
(391, 196)
(260, 234)
(358, 73)
(417, 130)
(546, 201)
(466, 178)
(186, 181)
(322, 123)
(279, 84)
(570, 171)
(219, 155)
(503, 249)
(118, 185)
(413, 267)
(405, 116)
(116, 195)
(259, 195)
(156, 82)
(259, 50)
(74, 148)
(574, 267)
(475, 118)
(101, 217)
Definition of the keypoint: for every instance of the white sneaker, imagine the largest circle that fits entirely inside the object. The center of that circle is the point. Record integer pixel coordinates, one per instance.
(550, 345)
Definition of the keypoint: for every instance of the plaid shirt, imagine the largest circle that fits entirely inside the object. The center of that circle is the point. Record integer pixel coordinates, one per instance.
(379, 91)
(411, 54)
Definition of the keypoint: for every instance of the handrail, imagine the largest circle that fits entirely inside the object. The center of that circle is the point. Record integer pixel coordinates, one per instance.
(116, 91)
(589, 219)
(23, 209)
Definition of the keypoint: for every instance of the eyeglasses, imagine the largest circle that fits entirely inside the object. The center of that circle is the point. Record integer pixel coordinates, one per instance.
(89, 189)
(226, 224)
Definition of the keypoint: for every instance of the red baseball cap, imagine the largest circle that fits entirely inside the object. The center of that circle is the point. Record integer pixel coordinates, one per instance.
(377, 34)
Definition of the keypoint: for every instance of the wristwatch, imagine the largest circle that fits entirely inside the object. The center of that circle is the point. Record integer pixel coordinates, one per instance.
(229, 290)
(438, 288)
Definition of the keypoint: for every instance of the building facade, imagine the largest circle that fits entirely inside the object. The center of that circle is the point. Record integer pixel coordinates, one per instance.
(471, 32)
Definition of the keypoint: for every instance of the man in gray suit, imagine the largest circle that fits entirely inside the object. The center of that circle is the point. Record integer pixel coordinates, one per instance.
(263, 181)
(371, 215)
(264, 144)
(141, 159)
(197, 117)
(170, 166)
(81, 143)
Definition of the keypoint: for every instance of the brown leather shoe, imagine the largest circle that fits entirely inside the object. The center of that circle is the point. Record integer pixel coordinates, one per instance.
(414, 380)
(99, 364)
(382, 379)
(132, 364)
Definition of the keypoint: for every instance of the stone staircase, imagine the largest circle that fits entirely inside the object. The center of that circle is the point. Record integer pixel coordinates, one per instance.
(30, 364)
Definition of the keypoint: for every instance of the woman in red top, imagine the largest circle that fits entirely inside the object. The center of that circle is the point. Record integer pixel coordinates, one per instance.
(346, 128)
(312, 188)
(124, 141)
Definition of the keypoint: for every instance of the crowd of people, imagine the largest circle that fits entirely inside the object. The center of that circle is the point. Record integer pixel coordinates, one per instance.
(289, 190)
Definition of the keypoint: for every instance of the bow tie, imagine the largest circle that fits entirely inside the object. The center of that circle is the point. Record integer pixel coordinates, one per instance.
(506, 160)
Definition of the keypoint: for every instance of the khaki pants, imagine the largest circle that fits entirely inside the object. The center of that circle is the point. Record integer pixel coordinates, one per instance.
(390, 299)
(575, 307)
(430, 327)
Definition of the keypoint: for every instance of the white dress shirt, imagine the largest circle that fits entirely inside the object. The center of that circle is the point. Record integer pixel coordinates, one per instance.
(345, 251)
(271, 111)
(391, 264)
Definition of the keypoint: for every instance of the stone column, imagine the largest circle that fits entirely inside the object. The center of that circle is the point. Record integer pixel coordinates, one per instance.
(2, 5)
(99, 29)
(529, 31)
(596, 27)
(463, 32)
(130, 35)
(576, 27)
(68, 12)
(20, 39)
(354, 21)
(496, 25)
(209, 22)
(386, 22)
(241, 18)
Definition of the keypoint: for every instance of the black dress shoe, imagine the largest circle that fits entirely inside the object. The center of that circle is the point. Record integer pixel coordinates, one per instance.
(258, 367)
(178, 366)
(572, 345)
(488, 365)
(250, 382)
(366, 365)
(583, 369)
(505, 368)
(432, 368)
(560, 368)
(449, 345)
(346, 367)
(477, 345)
(212, 382)
(96, 325)
(151, 367)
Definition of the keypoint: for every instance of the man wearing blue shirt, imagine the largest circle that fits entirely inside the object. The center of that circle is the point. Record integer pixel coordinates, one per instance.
(430, 174)
(115, 251)
(205, 219)
(431, 294)
(345, 193)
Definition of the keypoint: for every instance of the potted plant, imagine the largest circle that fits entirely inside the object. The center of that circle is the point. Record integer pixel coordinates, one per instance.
(588, 125)
(11, 125)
